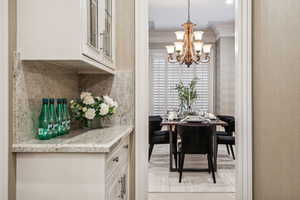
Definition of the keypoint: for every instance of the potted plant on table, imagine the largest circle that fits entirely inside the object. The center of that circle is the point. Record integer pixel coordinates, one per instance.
(187, 96)
(91, 110)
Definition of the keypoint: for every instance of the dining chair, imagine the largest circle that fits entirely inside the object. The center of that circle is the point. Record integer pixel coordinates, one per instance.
(158, 136)
(195, 140)
(226, 137)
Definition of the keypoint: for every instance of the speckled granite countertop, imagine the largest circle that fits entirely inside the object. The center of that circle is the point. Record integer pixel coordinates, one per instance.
(92, 141)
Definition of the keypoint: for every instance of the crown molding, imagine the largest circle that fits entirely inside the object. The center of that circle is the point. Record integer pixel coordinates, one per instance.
(223, 29)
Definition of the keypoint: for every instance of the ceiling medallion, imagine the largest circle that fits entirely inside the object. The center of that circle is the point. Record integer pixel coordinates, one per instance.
(189, 47)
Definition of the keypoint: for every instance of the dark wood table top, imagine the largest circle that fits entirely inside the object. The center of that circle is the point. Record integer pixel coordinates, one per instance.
(216, 122)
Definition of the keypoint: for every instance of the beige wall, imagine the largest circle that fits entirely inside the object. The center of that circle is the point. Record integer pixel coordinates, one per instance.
(12, 48)
(276, 99)
(224, 76)
(125, 35)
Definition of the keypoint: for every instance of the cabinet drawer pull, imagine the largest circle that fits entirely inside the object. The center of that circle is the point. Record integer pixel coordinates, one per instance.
(125, 146)
(101, 35)
(116, 159)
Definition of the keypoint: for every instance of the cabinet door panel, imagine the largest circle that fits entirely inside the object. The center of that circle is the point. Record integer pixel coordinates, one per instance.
(93, 32)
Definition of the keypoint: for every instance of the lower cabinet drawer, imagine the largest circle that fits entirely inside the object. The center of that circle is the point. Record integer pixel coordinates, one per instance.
(114, 191)
(116, 172)
(118, 189)
(117, 159)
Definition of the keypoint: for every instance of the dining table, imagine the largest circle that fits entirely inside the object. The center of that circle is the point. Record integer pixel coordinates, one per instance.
(171, 125)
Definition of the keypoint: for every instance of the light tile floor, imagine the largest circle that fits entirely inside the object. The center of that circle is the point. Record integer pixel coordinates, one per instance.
(191, 196)
(163, 181)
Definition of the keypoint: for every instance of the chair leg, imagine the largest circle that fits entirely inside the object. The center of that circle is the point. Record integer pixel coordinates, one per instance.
(150, 150)
(232, 152)
(181, 163)
(176, 161)
(212, 170)
(183, 156)
(227, 147)
(175, 156)
(209, 166)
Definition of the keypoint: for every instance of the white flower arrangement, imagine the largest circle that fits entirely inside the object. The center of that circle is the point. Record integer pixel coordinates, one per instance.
(89, 107)
(90, 113)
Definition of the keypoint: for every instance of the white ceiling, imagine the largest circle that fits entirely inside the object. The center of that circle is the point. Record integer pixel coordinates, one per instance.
(170, 14)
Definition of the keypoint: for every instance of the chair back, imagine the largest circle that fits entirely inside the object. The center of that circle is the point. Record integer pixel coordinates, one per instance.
(230, 120)
(154, 124)
(195, 139)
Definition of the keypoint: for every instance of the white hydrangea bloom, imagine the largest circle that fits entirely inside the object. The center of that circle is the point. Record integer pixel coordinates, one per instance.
(109, 101)
(84, 94)
(90, 113)
(84, 109)
(104, 109)
(115, 104)
(98, 98)
(88, 100)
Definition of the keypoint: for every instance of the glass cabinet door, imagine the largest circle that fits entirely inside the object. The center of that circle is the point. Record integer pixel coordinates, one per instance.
(93, 33)
(107, 43)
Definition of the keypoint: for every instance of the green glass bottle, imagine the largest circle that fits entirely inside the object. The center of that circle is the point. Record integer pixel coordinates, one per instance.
(44, 125)
(67, 116)
(53, 118)
(60, 117)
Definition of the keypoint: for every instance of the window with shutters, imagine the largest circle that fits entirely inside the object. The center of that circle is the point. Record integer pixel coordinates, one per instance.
(165, 76)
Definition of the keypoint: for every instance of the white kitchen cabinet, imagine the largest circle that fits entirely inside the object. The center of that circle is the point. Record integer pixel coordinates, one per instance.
(75, 33)
(92, 166)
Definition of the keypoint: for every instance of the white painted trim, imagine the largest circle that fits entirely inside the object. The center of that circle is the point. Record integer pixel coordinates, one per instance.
(243, 78)
(224, 29)
(4, 63)
(141, 98)
(243, 48)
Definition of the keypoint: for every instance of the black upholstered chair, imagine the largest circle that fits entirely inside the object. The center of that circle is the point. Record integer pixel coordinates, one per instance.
(195, 140)
(226, 137)
(158, 136)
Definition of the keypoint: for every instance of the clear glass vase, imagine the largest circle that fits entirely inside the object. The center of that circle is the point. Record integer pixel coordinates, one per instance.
(92, 124)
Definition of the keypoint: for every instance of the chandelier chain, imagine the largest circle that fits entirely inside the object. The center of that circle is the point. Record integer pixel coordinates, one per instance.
(189, 10)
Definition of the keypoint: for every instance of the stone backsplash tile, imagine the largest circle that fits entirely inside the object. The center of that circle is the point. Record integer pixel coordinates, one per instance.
(32, 82)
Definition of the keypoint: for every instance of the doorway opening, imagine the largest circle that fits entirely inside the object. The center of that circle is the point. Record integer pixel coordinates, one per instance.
(212, 81)
(203, 90)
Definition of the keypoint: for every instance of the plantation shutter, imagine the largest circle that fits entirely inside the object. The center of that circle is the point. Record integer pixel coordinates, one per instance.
(165, 76)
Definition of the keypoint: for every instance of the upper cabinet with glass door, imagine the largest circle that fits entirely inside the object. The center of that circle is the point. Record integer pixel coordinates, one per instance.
(108, 32)
(76, 33)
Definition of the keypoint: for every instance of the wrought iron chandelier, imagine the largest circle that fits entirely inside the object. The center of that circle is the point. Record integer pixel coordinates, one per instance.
(189, 47)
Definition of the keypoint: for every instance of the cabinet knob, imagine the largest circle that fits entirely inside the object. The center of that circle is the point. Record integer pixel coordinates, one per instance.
(126, 146)
(116, 159)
